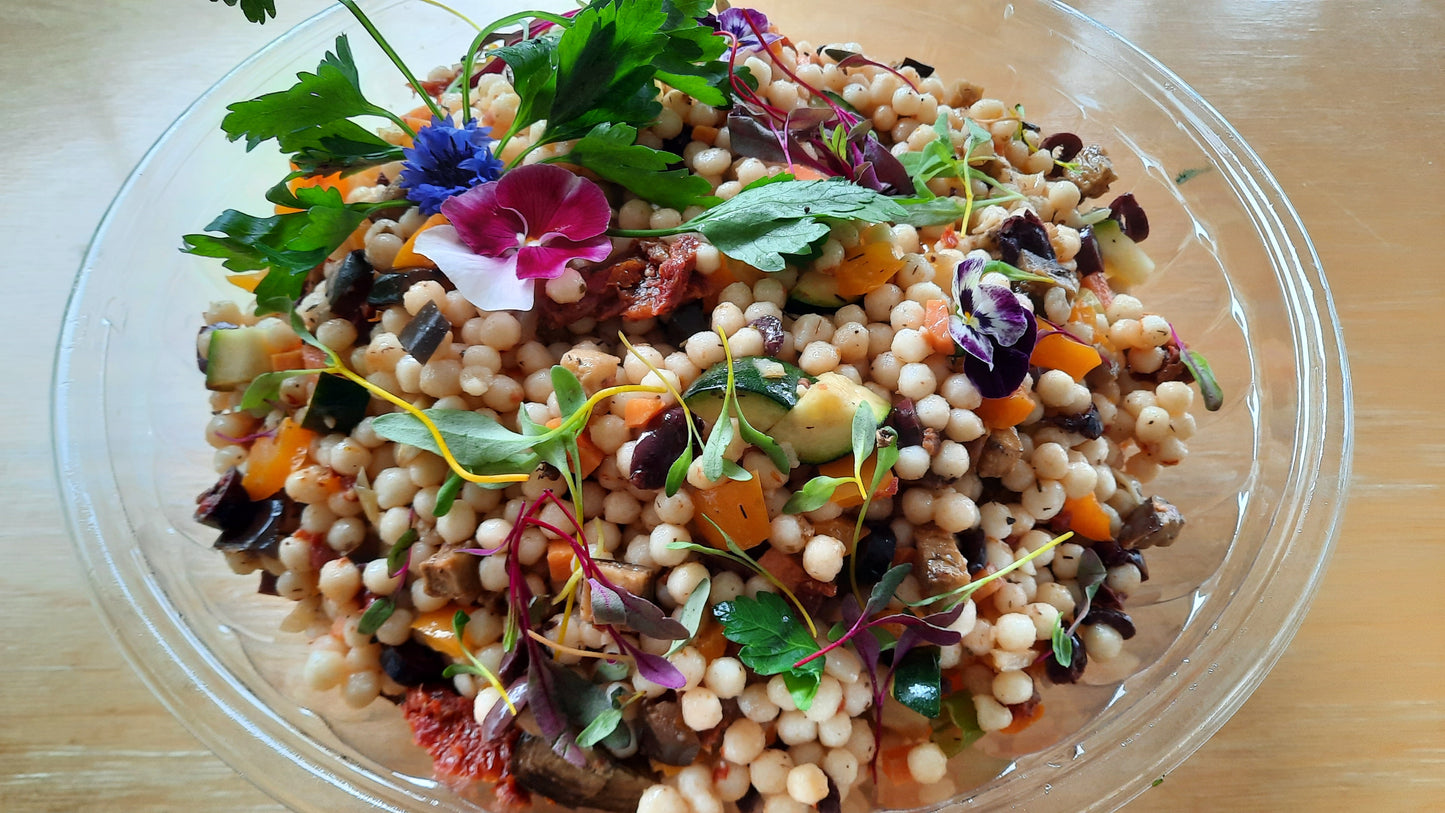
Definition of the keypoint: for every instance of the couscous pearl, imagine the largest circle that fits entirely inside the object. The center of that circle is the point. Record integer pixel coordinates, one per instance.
(1014, 631)
(770, 771)
(823, 558)
(807, 784)
(727, 678)
(927, 763)
(701, 709)
(1101, 641)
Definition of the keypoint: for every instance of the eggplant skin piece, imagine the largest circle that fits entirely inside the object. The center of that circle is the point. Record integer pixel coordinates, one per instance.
(603, 783)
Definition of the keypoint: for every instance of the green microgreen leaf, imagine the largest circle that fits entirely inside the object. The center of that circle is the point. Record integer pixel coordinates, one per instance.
(611, 670)
(773, 640)
(265, 389)
(377, 613)
(814, 494)
(1198, 366)
(1063, 645)
(600, 728)
(1091, 572)
(570, 396)
(957, 726)
(864, 437)
(733, 471)
(1188, 175)
(677, 472)
(399, 550)
(717, 443)
(447, 494)
(917, 681)
(692, 612)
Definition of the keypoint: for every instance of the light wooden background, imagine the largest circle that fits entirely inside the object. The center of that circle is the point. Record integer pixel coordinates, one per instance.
(1343, 100)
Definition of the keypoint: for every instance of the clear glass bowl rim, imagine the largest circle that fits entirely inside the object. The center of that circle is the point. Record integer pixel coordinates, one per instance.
(215, 706)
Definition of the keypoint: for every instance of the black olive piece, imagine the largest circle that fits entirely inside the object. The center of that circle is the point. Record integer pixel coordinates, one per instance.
(267, 587)
(1068, 145)
(972, 543)
(388, 289)
(337, 405)
(350, 285)
(1112, 554)
(424, 333)
(1023, 233)
(1130, 217)
(1075, 669)
(1118, 619)
(412, 663)
(752, 802)
(904, 420)
(833, 802)
(1106, 598)
(274, 518)
(875, 554)
(681, 324)
(662, 443)
(924, 70)
(1086, 423)
(1088, 260)
(225, 504)
(771, 329)
(205, 331)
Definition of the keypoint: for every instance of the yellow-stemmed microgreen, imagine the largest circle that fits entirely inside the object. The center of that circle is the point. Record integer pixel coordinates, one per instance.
(959, 595)
(736, 554)
(473, 666)
(678, 473)
(713, 462)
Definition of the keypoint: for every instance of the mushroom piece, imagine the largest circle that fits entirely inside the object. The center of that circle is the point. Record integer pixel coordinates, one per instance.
(663, 735)
(449, 573)
(1155, 522)
(940, 565)
(1001, 450)
(602, 783)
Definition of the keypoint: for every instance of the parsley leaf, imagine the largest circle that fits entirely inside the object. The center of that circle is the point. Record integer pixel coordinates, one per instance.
(773, 640)
(610, 152)
(256, 11)
(289, 244)
(312, 119)
(766, 221)
(691, 60)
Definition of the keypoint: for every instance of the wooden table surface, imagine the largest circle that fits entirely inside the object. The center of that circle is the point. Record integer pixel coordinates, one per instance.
(1343, 100)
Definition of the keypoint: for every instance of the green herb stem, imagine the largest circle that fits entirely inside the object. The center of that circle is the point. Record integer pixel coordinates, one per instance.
(448, 9)
(962, 594)
(678, 229)
(394, 57)
(470, 60)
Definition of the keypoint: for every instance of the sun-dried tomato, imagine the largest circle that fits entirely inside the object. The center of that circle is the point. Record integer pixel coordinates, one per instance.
(441, 722)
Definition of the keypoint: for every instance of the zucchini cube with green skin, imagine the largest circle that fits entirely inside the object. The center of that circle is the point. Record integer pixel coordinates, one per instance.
(820, 426)
(766, 389)
(816, 291)
(1123, 259)
(235, 356)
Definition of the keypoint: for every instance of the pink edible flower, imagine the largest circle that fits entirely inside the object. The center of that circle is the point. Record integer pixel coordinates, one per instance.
(507, 234)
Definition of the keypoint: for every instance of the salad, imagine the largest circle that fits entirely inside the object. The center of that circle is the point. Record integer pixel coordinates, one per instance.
(669, 415)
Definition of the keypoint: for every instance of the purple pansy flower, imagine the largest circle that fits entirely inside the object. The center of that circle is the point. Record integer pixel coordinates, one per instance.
(507, 234)
(740, 22)
(995, 330)
(447, 160)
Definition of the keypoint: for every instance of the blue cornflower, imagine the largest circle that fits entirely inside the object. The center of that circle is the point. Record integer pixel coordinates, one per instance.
(447, 160)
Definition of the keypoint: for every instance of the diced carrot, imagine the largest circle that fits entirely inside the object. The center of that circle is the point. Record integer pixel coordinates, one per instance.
(588, 451)
(1023, 721)
(272, 459)
(559, 561)
(847, 494)
(1100, 286)
(406, 256)
(806, 173)
(1001, 413)
(289, 360)
(894, 762)
(248, 280)
(737, 507)
(435, 630)
(866, 269)
(709, 639)
(313, 358)
(935, 326)
(704, 133)
(949, 239)
(1055, 351)
(640, 409)
(1087, 518)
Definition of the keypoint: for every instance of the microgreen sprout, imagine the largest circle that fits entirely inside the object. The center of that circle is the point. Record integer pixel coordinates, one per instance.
(736, 554)
(678, 472)
(1199, 367)
(473, 666)
(961, 594)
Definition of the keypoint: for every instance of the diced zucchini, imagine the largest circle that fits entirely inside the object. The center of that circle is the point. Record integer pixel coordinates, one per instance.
(820, 427)
(766, 389)
(337, 405)
(815, 292)
(1123, 259)
(235, 356)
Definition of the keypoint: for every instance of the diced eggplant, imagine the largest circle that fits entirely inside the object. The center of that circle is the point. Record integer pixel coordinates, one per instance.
(1092, 172)
(1001, 450)
(1086, 423)
(664, 736)
(635, 579)
(972, 544)
(924, 69)
(225, 504)
(449, 573)
(1156, 522)
(388, 289)
(350, 285)
(272, 519)
(938, 563)
(603, 783)
(425, 332)
(337, 405)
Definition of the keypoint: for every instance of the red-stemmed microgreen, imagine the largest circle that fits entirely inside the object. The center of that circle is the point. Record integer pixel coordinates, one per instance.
(849, 59)
(1198, 366)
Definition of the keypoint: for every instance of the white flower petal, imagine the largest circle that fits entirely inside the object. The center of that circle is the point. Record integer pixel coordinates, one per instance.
(490, 283)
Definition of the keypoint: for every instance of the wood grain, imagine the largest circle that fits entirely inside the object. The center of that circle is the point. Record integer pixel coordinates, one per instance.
(1341, 99)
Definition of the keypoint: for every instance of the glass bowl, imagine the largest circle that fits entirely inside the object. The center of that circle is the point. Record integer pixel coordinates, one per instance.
(1263, 490)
